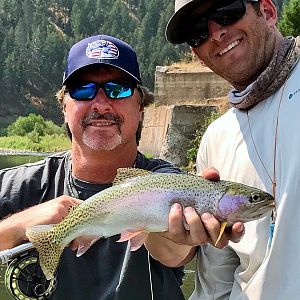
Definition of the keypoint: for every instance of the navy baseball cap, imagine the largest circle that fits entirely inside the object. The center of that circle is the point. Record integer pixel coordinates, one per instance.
(102, 49)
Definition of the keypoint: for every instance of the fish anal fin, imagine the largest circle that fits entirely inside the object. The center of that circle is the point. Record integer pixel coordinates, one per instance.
(84, 243)
(222, 228)
(125, 174)
(136, 238)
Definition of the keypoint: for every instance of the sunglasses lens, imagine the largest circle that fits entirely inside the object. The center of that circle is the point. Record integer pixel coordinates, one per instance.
(83, 92)
(113, 90)
(224, 15)
(199, 33)
(118, 90)
(229, 14)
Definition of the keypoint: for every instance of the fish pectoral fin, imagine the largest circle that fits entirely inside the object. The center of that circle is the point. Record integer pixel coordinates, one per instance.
(84, 243)
(138, 241)
(136, 238)
(222, 228)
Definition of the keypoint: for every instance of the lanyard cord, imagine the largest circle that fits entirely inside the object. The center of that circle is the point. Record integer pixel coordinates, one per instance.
(272, 178)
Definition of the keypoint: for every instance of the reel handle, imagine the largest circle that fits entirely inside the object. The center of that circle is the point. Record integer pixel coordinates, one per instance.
(7, 255)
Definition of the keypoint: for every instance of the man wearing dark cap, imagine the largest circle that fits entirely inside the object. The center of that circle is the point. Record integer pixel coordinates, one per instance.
(102, 100)
(256, 142)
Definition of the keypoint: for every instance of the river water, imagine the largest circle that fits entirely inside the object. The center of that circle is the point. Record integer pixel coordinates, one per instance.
(15, 160)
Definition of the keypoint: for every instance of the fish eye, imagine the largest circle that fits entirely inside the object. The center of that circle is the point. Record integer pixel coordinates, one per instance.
(254, 198)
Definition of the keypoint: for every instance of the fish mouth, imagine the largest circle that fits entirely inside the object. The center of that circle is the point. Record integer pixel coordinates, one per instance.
(264, 208)
(259, 210)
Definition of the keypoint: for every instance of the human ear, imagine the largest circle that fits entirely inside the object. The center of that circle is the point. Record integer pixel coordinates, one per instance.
(269, 11)
(65, 113)
(141, 108)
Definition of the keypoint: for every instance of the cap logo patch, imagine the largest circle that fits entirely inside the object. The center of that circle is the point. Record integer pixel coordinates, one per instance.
(102, 49)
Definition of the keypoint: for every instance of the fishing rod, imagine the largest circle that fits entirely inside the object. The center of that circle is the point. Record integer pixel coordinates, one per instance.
(24, 278)
(9, 254)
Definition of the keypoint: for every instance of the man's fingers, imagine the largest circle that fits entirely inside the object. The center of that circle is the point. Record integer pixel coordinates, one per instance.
(198, 235)
(176, 221)
(236, 232)
(211, 174)
(77, 201)
(212, 225)
(186, 227)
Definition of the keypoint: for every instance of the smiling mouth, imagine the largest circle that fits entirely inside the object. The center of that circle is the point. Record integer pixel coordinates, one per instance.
(101, 124)
(229, 47)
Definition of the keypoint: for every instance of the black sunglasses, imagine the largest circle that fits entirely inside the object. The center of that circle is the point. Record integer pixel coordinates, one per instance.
(113, 90)
(197, 28)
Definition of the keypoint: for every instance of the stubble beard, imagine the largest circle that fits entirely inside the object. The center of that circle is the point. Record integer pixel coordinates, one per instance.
(102, 142)
(245, 71)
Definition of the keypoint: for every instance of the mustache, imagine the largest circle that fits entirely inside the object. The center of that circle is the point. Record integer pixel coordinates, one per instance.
(97, 116)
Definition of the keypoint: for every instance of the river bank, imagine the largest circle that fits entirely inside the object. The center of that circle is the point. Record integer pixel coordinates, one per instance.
(24, 144)
(23, 152)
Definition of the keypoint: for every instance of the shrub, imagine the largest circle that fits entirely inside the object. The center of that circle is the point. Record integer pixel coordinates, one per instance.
(289, 23)
(192, 152)
(25, 125)
(52, 129)
(35, 126)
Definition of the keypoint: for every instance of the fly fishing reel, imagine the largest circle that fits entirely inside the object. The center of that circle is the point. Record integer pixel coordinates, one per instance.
(24, 278)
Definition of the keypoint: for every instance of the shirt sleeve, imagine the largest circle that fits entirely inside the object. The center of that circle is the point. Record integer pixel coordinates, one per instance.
(215, 273)
(15, 186)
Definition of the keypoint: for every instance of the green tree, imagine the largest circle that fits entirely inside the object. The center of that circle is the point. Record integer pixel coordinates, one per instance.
(289, 23)
(35, 36)
(25, 125)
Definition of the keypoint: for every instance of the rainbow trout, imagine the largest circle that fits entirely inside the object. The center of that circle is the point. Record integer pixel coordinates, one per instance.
(138, 203)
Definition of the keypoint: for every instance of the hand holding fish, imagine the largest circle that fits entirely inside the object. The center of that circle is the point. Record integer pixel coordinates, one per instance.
(13, 228)
(177, 246)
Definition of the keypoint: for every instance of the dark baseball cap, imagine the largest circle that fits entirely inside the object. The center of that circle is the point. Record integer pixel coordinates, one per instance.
(105, 50)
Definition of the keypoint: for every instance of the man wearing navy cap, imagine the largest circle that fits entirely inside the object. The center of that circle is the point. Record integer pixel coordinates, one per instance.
(256, 142)
(102, 100)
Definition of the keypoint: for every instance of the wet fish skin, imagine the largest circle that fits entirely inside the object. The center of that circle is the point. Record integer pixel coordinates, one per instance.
(140, 203)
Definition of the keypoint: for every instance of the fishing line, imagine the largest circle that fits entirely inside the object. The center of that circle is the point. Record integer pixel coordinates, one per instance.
(150, 276)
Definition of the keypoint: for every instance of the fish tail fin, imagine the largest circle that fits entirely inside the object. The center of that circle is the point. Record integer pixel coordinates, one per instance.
(48, 247)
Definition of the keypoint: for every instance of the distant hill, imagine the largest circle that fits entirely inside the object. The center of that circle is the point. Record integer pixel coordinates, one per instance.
(35, 37)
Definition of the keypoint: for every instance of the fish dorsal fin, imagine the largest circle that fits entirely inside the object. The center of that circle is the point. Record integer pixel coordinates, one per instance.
(124, 174)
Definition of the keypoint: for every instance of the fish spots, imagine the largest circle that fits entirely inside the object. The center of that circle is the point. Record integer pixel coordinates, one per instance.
(144, 202)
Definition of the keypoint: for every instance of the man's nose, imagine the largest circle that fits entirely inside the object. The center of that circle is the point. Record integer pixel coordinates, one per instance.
(101, 102)
(216, 31)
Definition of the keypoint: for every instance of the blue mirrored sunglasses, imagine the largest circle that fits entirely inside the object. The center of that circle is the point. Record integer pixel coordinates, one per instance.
(112, 89)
